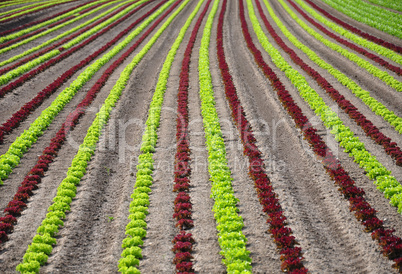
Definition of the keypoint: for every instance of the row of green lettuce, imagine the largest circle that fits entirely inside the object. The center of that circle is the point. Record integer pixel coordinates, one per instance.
(351, 36)
(382, 75)
(42, 243)
(10, 159)
(392, 4)
(370, 15)
(136, 228)
(376, 106)
(231, 239)
(374, 169)
(4, 79)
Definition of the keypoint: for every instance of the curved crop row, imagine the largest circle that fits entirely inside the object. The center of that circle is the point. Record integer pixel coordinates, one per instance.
(350, 45)
(19, 116)
(42, 244)
(53, 18)
(136, 228)
(356, 149)
(21, 35)
(33, 10)
(183, 242)
(391, 245)
(369, 128)
(291, 255)
(12, 157)
(46, 58)
(33, 178)
(373, 70)
(229, 224)
(58, 44)
(3, 50)
(351, 28)
(388, 4)
(370, 15)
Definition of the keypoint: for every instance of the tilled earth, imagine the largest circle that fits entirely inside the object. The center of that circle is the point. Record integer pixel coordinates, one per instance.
(90, 241)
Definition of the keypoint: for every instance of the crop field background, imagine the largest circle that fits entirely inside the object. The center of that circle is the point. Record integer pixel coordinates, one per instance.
(200, 136)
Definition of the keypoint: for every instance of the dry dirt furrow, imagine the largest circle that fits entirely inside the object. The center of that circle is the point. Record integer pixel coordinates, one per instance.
(206, 251)
(383, 7)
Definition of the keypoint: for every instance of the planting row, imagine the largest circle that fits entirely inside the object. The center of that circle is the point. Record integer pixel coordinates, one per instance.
(229, 224)
(291, 255)
(12, 157)
(348, 27)
(369, 128)
(382, 75)
(33, 178)
(37, 252)
(352, 145)
(183, 241)
(388, 4)
(391, 245)
(370, 15)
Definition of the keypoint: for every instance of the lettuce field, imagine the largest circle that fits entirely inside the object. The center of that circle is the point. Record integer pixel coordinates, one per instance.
(200, 136)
